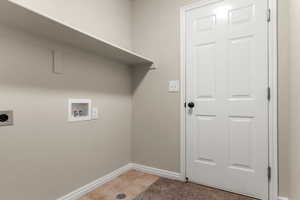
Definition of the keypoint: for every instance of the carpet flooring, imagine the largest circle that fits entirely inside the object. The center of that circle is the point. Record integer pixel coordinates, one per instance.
(165, 189)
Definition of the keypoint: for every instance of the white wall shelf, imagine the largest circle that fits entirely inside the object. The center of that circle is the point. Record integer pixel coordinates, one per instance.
(38, 24)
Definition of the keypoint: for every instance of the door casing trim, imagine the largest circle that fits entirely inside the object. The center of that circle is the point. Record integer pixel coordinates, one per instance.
(273, 84)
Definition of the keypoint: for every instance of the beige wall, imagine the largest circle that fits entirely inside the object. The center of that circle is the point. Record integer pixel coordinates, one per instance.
(43, 156)
(107, 19)
(156, 124)
(294, 100)
(283, 100)
(156, 136)
(43, 160)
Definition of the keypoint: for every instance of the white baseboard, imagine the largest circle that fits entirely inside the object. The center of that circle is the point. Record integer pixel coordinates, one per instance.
(95, 184)
(157, 172)
(283, 198)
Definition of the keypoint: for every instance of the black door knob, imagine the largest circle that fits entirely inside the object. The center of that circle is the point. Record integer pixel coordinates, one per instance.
(191, 105)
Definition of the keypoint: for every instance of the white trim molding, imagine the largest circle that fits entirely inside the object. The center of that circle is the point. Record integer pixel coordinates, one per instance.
(95, 184)
(156, 171)
(283, 198)
(182, 94)
(273, 74)
(273, 112)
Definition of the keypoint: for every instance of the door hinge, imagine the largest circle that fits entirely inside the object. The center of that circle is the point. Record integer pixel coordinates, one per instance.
(269, 93)
(269, 173)
(269, 15)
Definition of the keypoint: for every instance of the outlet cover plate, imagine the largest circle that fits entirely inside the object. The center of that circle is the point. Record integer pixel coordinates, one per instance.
(174, 86)
(95, 113)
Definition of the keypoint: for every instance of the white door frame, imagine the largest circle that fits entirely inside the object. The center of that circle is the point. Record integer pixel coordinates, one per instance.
(273, 71)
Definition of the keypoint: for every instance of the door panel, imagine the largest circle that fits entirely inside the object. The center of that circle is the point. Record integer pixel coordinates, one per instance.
(241, 144)
(205, 151)
(227, 79)
(240, 50)
(205, 56)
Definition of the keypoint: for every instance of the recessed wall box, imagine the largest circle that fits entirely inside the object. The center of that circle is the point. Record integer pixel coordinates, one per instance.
(6, 118)
(79, 110)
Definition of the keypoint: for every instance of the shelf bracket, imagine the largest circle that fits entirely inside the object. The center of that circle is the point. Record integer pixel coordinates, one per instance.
(57, 62)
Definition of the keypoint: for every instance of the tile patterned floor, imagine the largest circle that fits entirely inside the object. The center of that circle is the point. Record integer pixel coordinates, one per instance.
(140, 186)
(131, 183)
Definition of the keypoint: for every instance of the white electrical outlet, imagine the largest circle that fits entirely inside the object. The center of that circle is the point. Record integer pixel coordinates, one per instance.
(174, 86)
(95, 114)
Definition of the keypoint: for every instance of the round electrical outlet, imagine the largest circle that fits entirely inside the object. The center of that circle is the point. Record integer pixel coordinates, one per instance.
(4, 118)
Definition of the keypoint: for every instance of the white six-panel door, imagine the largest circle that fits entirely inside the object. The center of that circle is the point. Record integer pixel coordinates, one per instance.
(227, 80)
